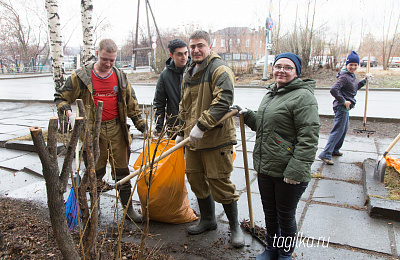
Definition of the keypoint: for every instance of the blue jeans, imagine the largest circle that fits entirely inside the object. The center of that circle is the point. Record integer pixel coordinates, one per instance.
(337, 134)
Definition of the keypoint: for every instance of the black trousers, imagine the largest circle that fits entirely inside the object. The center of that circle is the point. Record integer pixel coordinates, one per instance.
(279, 200)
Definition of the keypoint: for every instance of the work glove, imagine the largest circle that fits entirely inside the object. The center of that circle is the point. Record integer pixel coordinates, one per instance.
(195, 134)
(71, 120)
(368, 77)
(290, 181)
(178, 139)
(239, 109)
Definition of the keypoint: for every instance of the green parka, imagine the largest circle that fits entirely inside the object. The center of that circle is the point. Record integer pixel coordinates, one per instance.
(287, 131)
(206, 97)
(79, 86)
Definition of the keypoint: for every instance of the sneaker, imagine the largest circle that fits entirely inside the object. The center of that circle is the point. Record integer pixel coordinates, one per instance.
(337, 154)
(327, 161)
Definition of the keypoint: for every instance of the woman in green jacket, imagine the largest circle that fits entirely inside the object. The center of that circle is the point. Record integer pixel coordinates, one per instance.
(287, 130)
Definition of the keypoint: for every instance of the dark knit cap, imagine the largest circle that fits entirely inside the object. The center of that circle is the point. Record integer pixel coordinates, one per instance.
(293, 57)
(353, 58)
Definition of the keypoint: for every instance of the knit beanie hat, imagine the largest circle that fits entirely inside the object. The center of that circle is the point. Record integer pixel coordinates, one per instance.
(353, 58)
(293, 57)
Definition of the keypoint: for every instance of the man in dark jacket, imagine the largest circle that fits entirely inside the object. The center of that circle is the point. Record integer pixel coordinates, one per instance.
(168, 90)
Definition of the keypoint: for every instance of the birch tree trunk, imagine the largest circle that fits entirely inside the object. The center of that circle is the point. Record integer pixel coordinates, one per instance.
(56, 44)
(87, 29)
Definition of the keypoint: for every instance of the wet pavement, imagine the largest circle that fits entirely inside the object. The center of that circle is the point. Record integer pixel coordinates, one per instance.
(333, 221)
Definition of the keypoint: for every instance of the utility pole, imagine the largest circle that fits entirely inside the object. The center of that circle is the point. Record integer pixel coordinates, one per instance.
(268, 45)
(136, 43)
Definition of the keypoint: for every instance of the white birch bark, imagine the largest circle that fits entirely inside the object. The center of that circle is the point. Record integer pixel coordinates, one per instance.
(87, 29)
(56, 44)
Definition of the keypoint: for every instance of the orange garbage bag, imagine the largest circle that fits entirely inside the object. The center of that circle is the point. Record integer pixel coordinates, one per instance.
(168, 197)
(393, 162)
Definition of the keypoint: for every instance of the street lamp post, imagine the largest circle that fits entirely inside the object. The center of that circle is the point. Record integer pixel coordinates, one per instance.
(268, 46)
(120, 54)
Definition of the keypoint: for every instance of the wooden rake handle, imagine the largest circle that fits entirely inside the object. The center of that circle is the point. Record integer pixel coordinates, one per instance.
(366, 94)
(246, 170)
(168, 152)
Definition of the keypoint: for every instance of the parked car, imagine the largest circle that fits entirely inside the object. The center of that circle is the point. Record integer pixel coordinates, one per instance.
(260, 62)
(321, 61)
(373, 61)
(394, 62)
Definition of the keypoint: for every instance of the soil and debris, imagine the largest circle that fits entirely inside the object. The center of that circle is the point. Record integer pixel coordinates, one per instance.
(26, 233)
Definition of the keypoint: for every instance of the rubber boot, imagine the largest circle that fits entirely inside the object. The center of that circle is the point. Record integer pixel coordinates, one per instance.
(131, 214)
(207, 219)
(270, 252)
(284, 255)
(287, 255)
(231, 211)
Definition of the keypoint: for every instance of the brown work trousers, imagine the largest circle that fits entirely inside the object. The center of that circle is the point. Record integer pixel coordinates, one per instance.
(209, 172)
(113, 149)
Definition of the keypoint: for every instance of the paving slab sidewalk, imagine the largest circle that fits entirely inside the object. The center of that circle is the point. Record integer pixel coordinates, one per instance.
(332, 218)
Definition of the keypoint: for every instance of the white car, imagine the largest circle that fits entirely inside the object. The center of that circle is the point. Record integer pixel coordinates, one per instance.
(394, 62)
(260, 62)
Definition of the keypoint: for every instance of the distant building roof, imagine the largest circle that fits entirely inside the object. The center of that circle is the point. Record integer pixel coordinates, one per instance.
(232, 30)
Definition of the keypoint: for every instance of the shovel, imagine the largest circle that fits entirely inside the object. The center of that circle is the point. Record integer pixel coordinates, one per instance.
(380, 168)
(247, 175)
(168, 152)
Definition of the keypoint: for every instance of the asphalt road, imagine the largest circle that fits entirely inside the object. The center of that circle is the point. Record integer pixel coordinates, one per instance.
(381, 103)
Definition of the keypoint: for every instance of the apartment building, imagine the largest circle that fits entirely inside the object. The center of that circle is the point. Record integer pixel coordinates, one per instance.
(239, 43)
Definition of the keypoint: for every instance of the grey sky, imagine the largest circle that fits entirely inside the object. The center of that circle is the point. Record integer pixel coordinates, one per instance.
(334, 16)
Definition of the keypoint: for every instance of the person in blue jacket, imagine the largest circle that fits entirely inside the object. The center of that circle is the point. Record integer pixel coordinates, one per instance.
(344, 91)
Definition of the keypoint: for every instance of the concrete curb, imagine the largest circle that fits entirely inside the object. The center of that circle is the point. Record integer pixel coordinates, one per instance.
(25, 76)
(374, 191)
(370, 119)
(27, 146)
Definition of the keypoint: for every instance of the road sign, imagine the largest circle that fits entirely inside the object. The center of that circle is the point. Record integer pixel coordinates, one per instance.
(154, 45)
(270, 23)
(154, 39)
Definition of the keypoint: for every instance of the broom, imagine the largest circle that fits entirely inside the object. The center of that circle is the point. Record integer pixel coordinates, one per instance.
(71, 205)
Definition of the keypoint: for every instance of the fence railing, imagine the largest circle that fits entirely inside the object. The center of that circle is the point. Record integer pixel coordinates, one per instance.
(12, 69)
